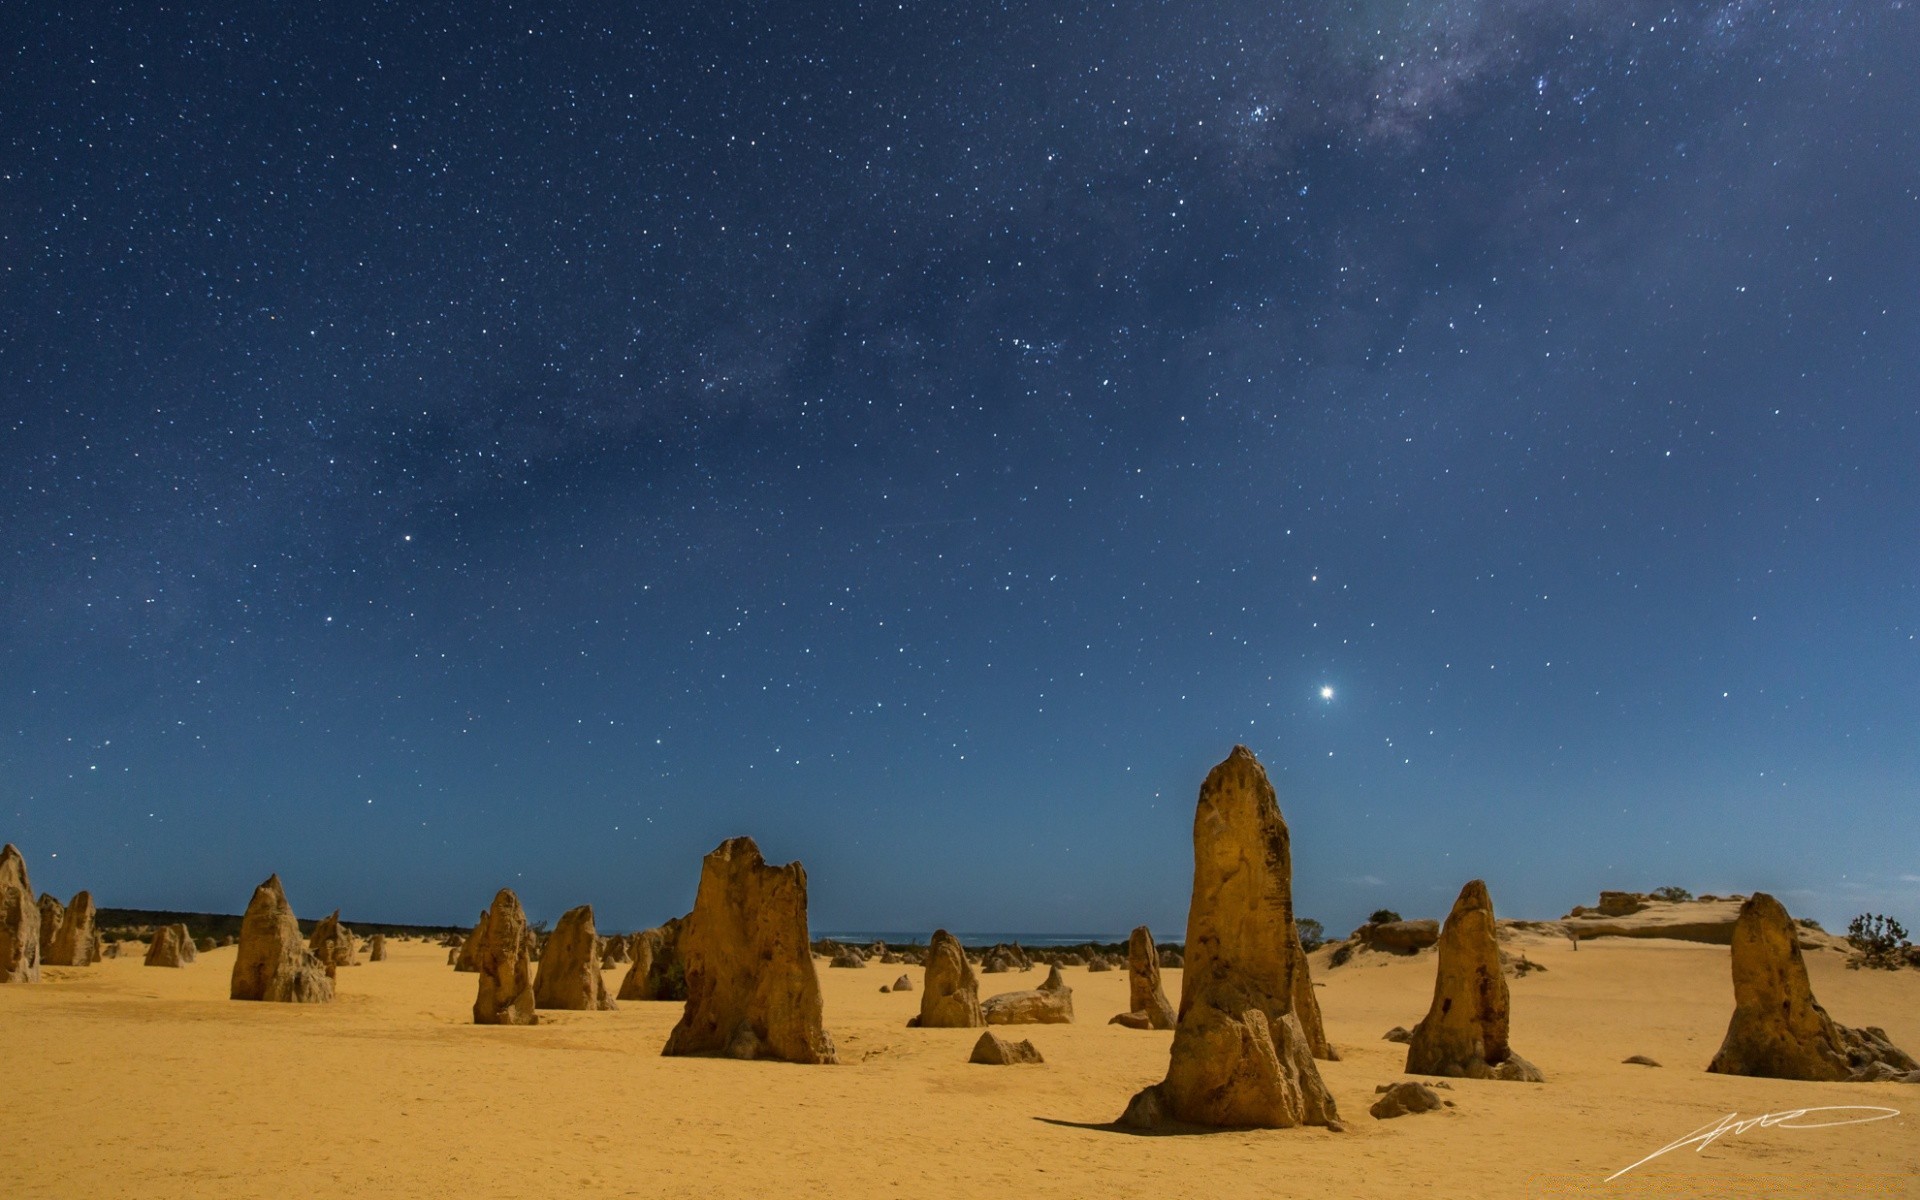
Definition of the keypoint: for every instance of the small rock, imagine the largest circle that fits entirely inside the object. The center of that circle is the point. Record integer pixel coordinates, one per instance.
(994, 1050)
(1404, 1099)
(1399, 1033)
(1640, 1060)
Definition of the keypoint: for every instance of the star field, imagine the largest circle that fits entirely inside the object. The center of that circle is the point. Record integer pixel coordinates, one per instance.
(450, 446)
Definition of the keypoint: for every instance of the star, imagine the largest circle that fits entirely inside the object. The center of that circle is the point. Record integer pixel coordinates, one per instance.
(1326, 692)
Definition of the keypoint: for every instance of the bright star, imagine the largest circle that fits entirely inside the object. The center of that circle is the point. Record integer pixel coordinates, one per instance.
(1326, 693)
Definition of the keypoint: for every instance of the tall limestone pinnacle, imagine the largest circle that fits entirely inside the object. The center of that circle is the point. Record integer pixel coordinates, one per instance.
(1244, 1037)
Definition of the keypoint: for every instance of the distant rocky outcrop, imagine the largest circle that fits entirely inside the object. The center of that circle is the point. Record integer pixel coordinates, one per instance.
(189, 950)
(751, 987)
(1398, 937)
(51, 913)
(1242, 1055)
(1464, 1033)
(1147, 1005)
(377, 948)
(504, 956)
(272, 962)
(168, 948)
(657, 972)
(19, 921)
(1049, 1004)
(570, 970)
(71, 943)
(1778, 1030)
(903, 984)
(334, 944)
(997, 1051)
(951, 999)
(1709, 919)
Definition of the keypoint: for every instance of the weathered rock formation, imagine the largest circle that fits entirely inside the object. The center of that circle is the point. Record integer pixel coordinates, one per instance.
(570, 971)
(503, 955)
(51, 913)
(70, 939)
(1049, 1004)
(1778, 1029)
(751, 987)
(377, 948)
(952, 996)
(19, 921)
(1401, 1099)
(657, 972)
(1242, 1052)
(189, 949)
(996, 1051)
(168, 948)
(272, 961)
(903, 984)
(333, 944)
(1464, 1034)
(467, 957)
(1147, 1006)
(1709, 919)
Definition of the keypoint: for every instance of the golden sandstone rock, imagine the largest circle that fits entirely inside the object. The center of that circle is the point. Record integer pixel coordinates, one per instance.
(657, 972)
(168, 948)
(1242, 1054)
(570, 966)
(1147, 1006)
(751, 987)
(1778, 1029)
(951, 999)
(272, 961)
(1464, 1033)
(19, 921)
(71, 941)
(503, 955)
(333, 944)
(1049, 1004)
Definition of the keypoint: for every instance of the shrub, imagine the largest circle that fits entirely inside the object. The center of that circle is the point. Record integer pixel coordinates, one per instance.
(1313, 935)
(1341, 954)
(1880, 939)
(1675, 894)
(1383, 916)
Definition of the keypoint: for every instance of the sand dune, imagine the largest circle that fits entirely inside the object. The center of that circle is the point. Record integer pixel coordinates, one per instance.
(124, 1081)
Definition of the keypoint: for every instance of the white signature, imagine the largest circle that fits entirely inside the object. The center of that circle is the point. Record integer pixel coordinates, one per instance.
(1789, 1119)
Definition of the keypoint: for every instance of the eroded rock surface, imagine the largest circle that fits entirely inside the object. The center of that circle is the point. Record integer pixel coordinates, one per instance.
(19, 921)
(951, 999)
(751, 987)
(1049, 1004)
(272, 961)
(503, 955)
(1778, 1030)
(1464, 1034)
(997, 1051)
(1242, 1053)
(570, 975)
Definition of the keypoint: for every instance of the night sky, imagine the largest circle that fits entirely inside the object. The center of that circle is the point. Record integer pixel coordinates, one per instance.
(455, 446)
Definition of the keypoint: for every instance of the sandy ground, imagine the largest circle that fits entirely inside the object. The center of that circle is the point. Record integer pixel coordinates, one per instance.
(123, 1080)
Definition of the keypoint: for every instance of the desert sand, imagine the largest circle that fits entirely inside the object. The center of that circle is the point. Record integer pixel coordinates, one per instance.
(123, 1081)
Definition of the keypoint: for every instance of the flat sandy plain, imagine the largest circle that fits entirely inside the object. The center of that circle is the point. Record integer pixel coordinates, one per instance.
(124, 1080)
